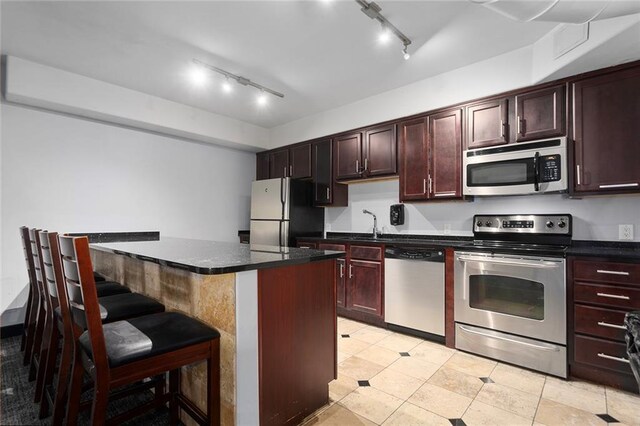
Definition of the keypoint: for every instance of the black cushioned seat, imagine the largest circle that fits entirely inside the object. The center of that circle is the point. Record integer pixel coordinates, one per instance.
(122, 306)
(150, 335)
(109, 288)
(98, 278)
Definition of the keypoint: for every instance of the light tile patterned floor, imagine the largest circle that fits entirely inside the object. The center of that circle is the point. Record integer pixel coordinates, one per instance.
(386, 378)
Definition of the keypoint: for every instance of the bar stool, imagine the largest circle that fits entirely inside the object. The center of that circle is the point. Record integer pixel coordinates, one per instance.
(112, 308)
(33, 325)
(123, 352)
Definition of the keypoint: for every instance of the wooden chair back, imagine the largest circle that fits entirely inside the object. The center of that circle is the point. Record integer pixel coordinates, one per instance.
(53, 278)
(28, 257)
(34, 239)
(83, 297)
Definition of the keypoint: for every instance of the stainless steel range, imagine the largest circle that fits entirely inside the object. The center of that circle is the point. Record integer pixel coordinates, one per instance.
(510, 291)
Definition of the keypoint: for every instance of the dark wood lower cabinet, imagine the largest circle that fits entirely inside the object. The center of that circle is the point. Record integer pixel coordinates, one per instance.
(365, 287)
(297, 340)
(600, 291)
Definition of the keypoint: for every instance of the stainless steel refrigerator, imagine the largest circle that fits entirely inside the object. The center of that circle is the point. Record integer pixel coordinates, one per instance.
(282, 210)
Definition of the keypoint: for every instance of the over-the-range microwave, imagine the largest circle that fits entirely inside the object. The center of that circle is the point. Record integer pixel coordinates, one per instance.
(517, 169)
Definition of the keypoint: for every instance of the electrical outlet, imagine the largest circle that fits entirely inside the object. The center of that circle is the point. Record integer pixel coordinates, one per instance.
(447, 229)
(625, 232)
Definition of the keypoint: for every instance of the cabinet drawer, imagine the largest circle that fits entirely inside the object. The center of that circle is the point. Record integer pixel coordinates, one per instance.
(329, 246)
(307, 244)
(366, 252)
(607, 295)
(600, 322)
(627, 273)
(601, 353)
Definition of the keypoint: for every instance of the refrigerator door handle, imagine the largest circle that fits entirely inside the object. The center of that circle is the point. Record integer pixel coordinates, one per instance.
(283, 197)
(280, 233)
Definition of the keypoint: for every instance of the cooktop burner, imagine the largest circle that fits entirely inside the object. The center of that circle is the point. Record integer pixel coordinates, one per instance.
(532, 233)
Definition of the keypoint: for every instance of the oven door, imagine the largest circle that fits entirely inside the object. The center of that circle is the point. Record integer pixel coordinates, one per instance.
(514, 294)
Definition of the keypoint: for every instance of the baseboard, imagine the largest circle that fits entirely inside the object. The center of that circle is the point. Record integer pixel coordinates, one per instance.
(10, 331)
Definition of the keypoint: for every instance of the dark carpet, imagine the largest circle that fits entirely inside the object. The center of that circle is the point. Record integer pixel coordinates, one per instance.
(16, 397)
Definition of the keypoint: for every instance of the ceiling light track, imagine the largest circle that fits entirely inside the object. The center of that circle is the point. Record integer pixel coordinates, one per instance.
(238, 79)
(372, 10)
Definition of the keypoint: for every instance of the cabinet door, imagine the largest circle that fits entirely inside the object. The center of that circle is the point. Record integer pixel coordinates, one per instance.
(540, 114)
(262, 165)
(365, 287)
(488, 123)
(300, 161)
(279, 164)
(413, 159)
(606, 128)
(322, 176)
(340, 282)
(348, 156)
(380, 151)
(445, 140)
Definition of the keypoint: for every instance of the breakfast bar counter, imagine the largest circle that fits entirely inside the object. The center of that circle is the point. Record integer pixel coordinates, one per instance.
(275, 309)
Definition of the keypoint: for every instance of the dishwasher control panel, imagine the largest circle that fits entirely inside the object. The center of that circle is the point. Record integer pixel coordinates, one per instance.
(411, 253)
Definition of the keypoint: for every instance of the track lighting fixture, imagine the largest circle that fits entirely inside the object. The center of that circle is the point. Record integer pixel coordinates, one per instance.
(372, 10)
(240, 80)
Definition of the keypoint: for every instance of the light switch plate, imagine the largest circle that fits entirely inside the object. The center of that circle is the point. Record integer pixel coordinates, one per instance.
(625, 232)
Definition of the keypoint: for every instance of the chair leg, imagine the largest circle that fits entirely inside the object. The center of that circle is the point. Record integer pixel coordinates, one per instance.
(75, 390)
(174, 389)
(43, 356)
(37, 339)
(23, 340)
(49, 369)
(59, 406)
(100, 402)
(31, 330)
(213, 383)
(160, 388)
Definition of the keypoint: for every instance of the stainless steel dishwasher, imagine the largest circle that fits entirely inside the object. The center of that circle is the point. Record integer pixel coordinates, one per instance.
(414, 288)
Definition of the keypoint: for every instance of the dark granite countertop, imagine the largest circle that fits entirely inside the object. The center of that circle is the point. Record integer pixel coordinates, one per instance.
(212, 257)
(622, 250)
(112, 237)
(454, 241)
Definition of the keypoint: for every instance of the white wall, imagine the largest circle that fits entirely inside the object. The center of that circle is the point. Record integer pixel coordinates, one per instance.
(595, 218)
(68, 174)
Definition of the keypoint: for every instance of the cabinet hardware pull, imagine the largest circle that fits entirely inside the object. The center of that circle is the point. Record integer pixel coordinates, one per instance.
(350, 271)
(604, 271)
(619, 185)
(614, 296)
(327, 193)
(502, 128)
(520, 126)
(291, 170)
(357, 167)
(430, 184)
(366, 164)
(424, 186)
(578, 173)
(606, 324)
(341, 270)
(445, 194)
(284, 171)
(613, 358)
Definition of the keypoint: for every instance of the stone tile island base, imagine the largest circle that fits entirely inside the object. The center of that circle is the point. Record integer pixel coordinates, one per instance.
(277, 328)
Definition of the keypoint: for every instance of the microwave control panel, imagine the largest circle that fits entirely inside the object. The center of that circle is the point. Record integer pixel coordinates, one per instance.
(550, 168)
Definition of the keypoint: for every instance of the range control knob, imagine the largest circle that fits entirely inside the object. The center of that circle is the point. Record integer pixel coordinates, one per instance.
(487, 223)
(550, 224)
(479, 223)
(562, 223)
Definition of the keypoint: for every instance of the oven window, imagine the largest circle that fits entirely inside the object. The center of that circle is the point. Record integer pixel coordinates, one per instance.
(507, 295)
(501, 173)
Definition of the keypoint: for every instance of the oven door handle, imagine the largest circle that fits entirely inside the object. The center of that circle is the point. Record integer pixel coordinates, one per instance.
(506, 339)
(545, 264)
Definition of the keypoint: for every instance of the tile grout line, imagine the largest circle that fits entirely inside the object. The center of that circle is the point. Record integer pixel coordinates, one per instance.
(539, 400)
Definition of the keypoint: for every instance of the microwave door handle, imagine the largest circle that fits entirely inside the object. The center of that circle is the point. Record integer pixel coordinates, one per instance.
(536, 172)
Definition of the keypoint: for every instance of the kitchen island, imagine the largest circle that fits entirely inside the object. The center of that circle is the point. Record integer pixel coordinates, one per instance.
(275, 309)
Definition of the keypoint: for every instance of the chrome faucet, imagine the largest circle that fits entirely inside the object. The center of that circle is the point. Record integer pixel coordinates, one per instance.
(375, 223)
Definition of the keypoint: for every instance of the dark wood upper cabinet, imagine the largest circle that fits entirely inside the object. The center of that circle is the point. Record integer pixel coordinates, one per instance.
(365, 292)
(541, 114)
(380, 151)
(413, 159)
(606, 119)
(300, 161)
(279, 164)
(325, 190)
(348, 156)
(262, 165)
(488, 123)
(445, 140)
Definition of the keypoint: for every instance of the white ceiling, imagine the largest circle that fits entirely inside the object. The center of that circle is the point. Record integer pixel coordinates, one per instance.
(321, 55)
